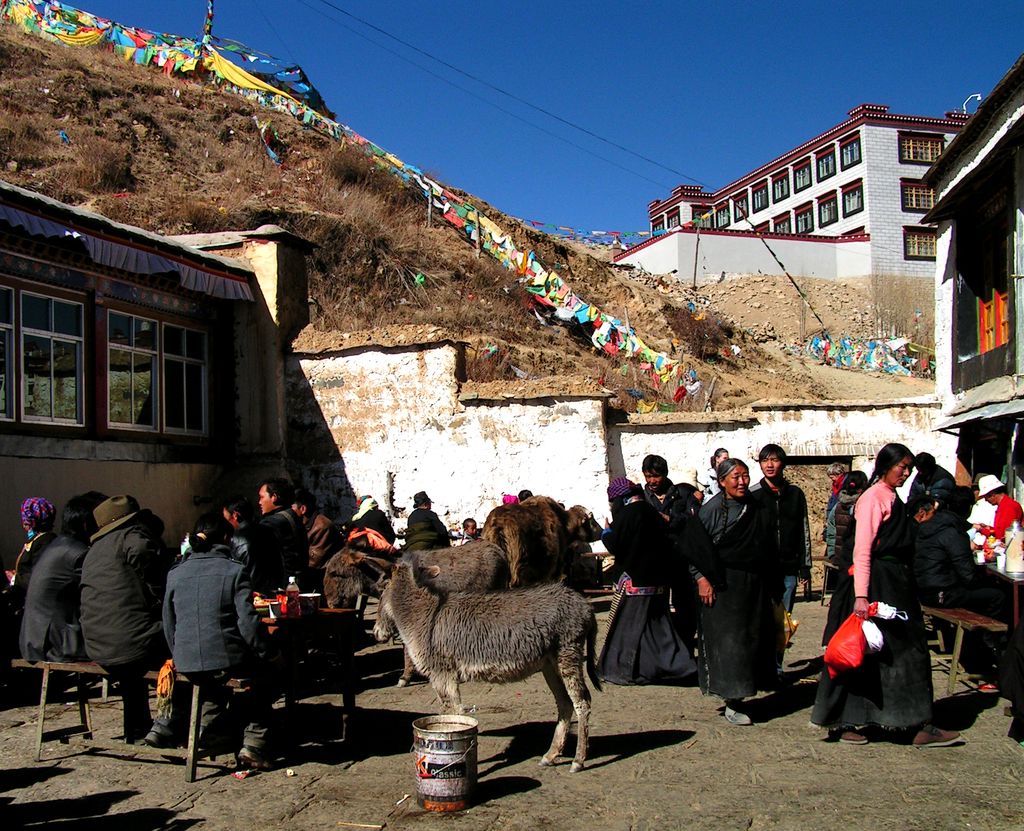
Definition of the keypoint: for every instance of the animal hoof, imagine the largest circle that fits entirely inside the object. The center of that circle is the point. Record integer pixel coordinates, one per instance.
(575, 767)
(546, 762)
(402, 682)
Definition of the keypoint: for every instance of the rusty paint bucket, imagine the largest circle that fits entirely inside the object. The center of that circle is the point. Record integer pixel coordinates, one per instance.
(444, 752)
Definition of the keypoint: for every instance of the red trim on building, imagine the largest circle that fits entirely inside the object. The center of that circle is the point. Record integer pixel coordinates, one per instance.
(724, 232)
(864, 114)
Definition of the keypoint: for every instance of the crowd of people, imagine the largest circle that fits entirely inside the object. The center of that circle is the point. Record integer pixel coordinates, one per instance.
(706, 570)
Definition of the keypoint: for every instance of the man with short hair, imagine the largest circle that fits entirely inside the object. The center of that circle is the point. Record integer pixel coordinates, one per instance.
(323, 535)
(275, 500)
(931, 480)
(255, 547)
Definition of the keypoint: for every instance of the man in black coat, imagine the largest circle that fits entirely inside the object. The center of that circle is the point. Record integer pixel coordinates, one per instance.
(931, 480)
(255, 547)
(425, 530)
(275, 500)
(676, 504)
(122, 584)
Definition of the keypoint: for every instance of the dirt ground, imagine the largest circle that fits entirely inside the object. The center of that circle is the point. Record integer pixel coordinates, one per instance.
(660, 758)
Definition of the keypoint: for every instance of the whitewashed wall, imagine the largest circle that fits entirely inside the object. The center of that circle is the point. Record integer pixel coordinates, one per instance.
(737, 255)
(396, 424)
(857, 431)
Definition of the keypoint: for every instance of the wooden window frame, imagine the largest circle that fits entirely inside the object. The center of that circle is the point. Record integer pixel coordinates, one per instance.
(911, 233)
(927, 139)
(911, 187)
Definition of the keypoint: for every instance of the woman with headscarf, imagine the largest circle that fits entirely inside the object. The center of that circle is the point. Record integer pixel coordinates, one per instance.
(37, 517)
(369, 516)
(736, 627)
(642, 646)
(892, 689)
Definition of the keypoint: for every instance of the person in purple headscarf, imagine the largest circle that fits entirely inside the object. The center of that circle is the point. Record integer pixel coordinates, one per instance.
(642, 646)
(37, 516)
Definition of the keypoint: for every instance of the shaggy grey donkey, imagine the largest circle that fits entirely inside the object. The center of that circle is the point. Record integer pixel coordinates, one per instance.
(498, 637)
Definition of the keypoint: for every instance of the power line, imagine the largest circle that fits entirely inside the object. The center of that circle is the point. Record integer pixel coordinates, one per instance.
(517, 116)
(511, 95)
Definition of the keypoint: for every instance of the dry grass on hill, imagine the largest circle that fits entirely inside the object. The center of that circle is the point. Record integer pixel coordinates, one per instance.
(175, 157)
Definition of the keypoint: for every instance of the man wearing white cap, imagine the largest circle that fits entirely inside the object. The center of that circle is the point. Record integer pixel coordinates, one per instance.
(1008, 510)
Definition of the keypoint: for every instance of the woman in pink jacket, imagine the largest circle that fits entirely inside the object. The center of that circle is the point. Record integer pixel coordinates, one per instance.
(892, 690)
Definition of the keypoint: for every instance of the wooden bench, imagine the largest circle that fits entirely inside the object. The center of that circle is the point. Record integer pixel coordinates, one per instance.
(964, 621)
(82, 733)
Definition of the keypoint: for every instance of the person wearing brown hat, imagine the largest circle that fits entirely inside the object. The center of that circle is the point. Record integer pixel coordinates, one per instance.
(121, 595)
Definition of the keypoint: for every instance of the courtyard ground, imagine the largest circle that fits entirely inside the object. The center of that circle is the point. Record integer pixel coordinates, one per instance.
(660, 758)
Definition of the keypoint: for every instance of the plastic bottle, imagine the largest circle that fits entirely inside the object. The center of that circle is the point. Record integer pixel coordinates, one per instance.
(292, 593)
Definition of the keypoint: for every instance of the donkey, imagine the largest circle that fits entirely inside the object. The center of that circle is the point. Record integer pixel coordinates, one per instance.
(498, 637)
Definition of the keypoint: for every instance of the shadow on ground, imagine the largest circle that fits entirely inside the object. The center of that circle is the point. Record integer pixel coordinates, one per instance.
(530, 740)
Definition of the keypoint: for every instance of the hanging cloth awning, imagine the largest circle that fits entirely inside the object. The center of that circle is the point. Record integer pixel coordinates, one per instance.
(127, 257)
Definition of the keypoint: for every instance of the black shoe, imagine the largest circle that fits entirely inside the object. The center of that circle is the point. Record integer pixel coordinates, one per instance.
(249, 757)
(160, 740)
(215, 745)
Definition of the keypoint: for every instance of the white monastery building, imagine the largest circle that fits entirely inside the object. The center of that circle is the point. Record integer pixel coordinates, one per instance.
(845, 203)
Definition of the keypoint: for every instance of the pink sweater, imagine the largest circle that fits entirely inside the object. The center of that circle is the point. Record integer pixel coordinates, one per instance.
(872, 509)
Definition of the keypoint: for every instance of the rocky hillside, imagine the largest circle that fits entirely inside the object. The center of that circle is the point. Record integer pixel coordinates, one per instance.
(172, 156)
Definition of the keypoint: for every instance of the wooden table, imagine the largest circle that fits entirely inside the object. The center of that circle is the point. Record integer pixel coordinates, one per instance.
(1016, 581)
(337, 628)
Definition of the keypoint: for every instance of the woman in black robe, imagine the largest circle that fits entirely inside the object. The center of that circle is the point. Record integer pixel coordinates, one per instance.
(736, 633)
(892, 689)
(642, 646)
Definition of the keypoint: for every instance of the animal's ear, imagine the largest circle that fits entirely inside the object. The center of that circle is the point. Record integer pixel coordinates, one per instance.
(432, 571)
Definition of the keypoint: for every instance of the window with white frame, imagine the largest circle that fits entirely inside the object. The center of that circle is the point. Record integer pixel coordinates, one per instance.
(802, 176)
(826, 162)
(804, 216)
(658, 226)
(759, 197)
(701, 215)
(849, 153)
(131, 371)
(51, 355)
(828, 210)
(184, 380)
(780, 187)
(722, 217)
(853, 199)
(673, 220)
(783, 224)
(739, 205)
(6, 353)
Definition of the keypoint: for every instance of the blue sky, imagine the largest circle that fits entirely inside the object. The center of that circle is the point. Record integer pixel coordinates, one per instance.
(709, 90)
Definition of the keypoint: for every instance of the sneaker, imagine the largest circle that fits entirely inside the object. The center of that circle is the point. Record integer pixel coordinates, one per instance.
(852, 737)
(737, 718)
(253, 759)
(932, 736)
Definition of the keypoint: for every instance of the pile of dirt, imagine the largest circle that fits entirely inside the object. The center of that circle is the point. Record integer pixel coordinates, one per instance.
(174, 157)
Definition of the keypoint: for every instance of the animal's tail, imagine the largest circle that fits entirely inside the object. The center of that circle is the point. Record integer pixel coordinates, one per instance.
(511, 543)
(591, 650)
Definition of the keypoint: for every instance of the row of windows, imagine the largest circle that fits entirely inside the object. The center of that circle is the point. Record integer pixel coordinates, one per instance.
(156, 373)
(913, 149)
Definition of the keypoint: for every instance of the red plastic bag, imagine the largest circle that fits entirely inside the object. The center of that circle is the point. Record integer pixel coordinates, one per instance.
(845, 650)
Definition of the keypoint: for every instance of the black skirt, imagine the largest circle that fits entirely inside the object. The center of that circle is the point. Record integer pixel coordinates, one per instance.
(737, 638)
(893, 687)
(642, 646)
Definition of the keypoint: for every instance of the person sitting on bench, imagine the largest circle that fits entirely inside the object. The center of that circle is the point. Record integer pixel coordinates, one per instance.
(214, 634)
(122, 583)
(945, 572)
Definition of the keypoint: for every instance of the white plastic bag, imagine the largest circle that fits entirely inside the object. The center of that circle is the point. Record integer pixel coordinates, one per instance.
(887, 612)
(873, 635)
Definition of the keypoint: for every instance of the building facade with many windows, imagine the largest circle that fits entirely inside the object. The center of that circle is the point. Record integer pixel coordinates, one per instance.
(861, 178)
(132, 362)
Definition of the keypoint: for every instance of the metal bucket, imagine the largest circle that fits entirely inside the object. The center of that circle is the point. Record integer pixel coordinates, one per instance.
(444, 751)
